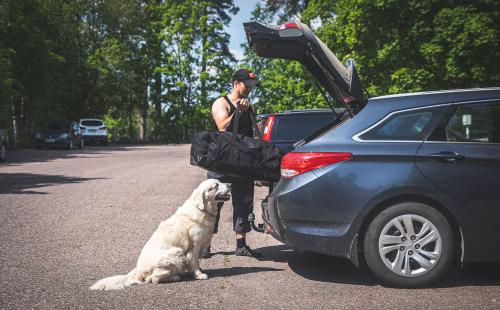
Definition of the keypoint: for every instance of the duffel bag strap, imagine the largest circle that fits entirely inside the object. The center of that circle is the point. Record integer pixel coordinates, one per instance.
(236, 115)
(254, 123)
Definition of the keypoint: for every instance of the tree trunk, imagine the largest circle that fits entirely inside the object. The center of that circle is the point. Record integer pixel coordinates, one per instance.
(203, 88)
(143, 121)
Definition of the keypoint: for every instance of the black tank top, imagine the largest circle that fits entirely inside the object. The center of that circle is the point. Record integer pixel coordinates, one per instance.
(245, 123)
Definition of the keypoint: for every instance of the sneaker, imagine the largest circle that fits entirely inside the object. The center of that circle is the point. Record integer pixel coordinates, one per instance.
(246, 251)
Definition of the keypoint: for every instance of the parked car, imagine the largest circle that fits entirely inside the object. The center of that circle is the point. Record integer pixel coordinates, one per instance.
(59, 133)
(407, 183)
(4, 142)
(285, 129)
(94, 130)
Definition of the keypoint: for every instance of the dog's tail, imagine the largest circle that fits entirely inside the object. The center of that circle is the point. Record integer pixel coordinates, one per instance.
(116, 282)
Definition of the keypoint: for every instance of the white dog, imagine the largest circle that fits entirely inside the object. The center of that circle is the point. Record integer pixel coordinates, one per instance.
(174, 248)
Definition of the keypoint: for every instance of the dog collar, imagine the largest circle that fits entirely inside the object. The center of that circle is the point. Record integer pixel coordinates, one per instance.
(207, 213)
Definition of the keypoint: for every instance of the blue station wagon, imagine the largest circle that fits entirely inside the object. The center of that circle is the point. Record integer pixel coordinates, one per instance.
(407, 183)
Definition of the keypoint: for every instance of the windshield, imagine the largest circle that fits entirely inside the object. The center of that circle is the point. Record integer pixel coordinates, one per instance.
(57, 125)
(92, 123)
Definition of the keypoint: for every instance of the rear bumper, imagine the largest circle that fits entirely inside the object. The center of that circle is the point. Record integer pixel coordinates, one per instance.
(95, 138)
(52, 142)
(331, 239)
(295, 221)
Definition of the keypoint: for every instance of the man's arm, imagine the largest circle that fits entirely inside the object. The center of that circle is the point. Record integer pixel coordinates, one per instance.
(220, 113)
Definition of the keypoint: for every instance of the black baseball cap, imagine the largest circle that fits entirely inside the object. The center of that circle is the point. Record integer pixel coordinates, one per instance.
(245, 76)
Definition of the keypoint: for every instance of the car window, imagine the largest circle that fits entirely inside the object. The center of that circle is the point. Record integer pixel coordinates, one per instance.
(475, 122)
(92, 123)
(407, 126)
(261, 122)
(296, 128)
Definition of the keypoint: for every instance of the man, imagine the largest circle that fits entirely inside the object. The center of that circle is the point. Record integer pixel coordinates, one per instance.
(223, 111)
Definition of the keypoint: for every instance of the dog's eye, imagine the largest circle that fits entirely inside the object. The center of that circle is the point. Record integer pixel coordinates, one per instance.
(216, 186)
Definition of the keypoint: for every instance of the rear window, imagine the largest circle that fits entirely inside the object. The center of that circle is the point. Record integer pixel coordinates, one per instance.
(406, 126)
(92, 123)
(297, 128)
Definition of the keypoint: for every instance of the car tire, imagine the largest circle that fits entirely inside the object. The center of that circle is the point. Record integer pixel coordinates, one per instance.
(409, 245)
(3, 152)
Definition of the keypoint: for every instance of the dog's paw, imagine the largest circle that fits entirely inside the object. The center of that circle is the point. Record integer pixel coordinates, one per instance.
(201, 276)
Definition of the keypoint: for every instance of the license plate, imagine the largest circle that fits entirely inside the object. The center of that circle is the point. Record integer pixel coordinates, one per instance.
(50, 140)
(92, 130)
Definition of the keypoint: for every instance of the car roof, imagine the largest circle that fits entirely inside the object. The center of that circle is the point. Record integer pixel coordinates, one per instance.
(303, 111)
(419, 99)
(91, 119)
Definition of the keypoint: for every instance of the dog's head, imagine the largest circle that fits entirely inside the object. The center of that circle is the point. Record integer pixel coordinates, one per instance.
(210, 192)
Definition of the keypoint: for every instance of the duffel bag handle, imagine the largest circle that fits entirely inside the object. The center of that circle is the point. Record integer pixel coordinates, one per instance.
(237, 119)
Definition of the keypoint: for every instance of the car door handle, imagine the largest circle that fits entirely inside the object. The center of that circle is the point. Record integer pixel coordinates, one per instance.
(446, 156)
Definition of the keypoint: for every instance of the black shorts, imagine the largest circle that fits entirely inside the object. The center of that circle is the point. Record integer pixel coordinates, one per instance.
(242, 191)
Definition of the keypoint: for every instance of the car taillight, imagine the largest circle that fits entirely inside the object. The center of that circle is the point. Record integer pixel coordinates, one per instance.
(288, 25)
(82, 128)
(268, 128)
(293, 164)
(102, 128)
(290, 30)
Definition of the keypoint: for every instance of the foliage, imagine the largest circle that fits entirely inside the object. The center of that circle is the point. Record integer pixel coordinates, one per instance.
(398, 46)
(149, 67)
(152, 68)
(407, 46)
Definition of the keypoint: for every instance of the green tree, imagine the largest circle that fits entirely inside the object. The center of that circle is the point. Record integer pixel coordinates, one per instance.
(406, 46)
(197, 61)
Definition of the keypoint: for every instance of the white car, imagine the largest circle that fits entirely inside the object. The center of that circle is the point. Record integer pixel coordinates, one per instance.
(94, 130)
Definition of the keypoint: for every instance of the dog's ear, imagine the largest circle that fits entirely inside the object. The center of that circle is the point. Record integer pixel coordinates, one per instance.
(199, 199)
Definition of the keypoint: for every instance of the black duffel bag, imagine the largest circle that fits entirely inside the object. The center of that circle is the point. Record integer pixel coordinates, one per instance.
(235, 155)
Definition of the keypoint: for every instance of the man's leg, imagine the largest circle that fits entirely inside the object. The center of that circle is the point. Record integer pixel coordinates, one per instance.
(242, 195)
(212, 175)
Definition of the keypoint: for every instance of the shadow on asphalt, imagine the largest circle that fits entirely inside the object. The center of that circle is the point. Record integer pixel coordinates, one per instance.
(21, 156)
(27, 183)
(234, 271)
(324, 268)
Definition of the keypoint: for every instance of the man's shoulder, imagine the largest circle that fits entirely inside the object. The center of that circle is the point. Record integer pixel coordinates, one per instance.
(220, 102)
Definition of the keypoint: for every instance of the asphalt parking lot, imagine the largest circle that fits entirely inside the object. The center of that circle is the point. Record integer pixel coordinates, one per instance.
(69, 218)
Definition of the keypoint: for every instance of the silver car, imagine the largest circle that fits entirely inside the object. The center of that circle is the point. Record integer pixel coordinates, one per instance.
(94, 130)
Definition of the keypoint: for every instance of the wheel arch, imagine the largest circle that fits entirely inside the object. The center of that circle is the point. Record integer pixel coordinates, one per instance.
(456, 230)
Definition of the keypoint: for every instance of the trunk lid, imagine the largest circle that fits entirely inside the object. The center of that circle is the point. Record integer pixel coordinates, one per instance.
(296, 41)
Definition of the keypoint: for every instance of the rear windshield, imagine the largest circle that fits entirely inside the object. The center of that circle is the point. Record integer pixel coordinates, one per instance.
(297, 128)
(92, 123)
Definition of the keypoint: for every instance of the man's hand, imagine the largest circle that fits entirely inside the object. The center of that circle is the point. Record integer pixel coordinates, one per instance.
(243, 104)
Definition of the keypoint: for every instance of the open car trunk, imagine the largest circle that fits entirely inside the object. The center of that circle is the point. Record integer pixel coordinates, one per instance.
(296, 41)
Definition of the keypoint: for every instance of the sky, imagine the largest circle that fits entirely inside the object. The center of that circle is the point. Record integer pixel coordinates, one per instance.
(235, 28)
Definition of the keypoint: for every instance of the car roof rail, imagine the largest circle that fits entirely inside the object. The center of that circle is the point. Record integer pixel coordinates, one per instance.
(311, 110)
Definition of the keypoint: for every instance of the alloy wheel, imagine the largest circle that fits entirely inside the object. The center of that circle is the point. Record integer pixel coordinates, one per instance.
(410, 245)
